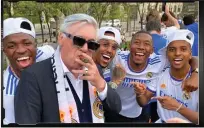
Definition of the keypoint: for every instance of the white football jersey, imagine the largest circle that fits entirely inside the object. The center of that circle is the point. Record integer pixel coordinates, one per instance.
(156, 64)
(11, 82)
(166, 85)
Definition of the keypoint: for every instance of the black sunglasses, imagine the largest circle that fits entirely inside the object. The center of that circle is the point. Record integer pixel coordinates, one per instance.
(79, 41)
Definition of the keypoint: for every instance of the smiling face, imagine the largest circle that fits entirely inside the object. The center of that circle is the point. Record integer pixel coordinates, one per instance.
(179, 54)
(140, 49)
(20, 49)
(106, 52)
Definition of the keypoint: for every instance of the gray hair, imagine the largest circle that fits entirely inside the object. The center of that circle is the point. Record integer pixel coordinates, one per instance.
(79, 17)
(153, 25)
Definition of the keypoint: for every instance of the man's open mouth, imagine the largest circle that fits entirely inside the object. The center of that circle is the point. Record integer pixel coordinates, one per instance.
(23, 62)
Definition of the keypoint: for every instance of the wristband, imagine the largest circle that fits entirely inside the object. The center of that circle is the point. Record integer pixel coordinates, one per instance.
(179, 107)
(195, 70)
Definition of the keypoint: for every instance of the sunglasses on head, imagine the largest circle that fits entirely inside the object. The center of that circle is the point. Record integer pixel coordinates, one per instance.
(79, 41)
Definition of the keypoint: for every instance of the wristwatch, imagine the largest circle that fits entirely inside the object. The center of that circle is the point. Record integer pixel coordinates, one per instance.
(112, 85)
(195, 70)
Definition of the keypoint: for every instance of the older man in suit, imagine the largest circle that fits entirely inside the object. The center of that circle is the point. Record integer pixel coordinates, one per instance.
(67, 87)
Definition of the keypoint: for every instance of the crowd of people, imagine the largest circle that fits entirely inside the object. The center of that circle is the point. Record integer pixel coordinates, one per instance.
(89, 79)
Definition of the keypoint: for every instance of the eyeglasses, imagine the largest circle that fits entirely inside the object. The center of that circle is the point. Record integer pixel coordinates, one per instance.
(79, 41)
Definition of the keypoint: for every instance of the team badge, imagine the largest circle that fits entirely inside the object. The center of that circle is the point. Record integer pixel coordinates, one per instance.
(98, 108)
(163, 86)
(149, 75)
(186, 95)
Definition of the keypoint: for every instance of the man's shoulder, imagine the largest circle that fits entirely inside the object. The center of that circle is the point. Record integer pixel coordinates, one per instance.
(6, 71)
(193, 27)
(193, 24)
(155, 63)
(163, 76)
(158, 37)
(46, 48)
(44, 52)
(154, 58)
(40, 67)
(123, 54)
(6, 74)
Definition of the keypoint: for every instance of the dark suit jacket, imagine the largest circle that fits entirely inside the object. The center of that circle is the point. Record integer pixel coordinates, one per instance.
(36, 97)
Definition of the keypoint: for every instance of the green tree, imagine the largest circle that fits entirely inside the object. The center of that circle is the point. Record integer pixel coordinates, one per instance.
(78, 8)
(114, 12)
(48, 15)
(30, 10)
(127, 9)
(56, 13)
(134, 14)
(8, 9)
(98, 11)
(190, 8)
(54, 10)
(141, 11)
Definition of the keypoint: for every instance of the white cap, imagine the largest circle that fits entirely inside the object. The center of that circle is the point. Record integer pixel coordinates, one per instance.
(101, 34)
(18, 25)
(180, 34)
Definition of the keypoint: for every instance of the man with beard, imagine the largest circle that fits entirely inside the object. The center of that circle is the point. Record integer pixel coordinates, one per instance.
(20, 48)
(172, 101)
(142, 67)
(109, 39)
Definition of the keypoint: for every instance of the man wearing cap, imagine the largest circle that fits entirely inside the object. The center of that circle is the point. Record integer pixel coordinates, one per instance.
(143, 68)
(66, 88)
(20, 48)
(109, 39)
(172, 100)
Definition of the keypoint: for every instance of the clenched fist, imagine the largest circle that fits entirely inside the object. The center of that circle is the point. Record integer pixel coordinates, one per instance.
(139, 88)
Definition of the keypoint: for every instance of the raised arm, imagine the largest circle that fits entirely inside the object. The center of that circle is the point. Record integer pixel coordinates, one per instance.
(171, 18)
(191, 83)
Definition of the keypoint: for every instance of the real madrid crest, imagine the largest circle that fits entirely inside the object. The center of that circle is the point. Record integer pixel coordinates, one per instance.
(186, 95)
(149, 75)
(98, 108)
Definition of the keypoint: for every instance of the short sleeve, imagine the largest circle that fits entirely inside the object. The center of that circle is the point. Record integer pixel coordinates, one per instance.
(164, 63)
(44, 52)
